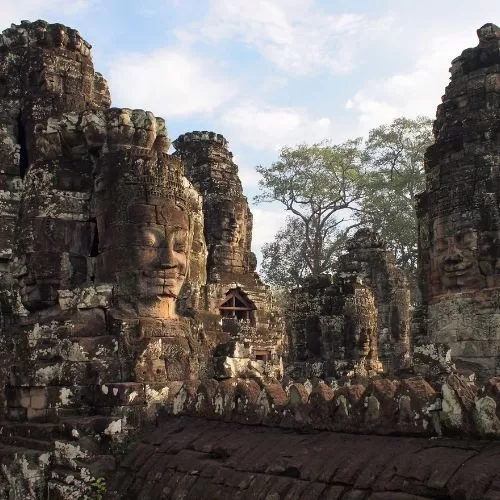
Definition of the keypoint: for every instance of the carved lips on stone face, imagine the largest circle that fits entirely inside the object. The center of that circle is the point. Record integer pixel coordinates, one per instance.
(455, 254)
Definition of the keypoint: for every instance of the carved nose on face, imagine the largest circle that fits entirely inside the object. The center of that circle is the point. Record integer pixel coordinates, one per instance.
(167, 259)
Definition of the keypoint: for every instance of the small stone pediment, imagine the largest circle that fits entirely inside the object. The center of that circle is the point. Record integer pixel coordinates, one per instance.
(236, 305)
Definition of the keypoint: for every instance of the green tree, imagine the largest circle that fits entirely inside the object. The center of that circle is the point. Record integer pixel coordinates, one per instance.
(320, 186)
(394, 156)
(283, 263)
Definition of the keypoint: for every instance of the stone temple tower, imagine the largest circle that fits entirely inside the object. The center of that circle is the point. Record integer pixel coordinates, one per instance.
(45, 70)
(234, 290)
(228, 221)
(459, 212)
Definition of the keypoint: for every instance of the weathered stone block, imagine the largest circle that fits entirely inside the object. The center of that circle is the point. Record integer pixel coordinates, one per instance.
(38, 398)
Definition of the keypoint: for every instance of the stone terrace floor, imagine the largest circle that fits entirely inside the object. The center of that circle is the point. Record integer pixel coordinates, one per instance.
(194, 458)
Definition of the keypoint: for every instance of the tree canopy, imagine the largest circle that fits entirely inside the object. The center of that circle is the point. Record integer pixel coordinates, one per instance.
(395, 174)
(329, 189)
(320, 186)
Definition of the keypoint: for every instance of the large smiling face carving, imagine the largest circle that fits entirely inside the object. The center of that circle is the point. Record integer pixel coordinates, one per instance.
(145, 227)
(147, 254)
(456, 254)
(160, 252)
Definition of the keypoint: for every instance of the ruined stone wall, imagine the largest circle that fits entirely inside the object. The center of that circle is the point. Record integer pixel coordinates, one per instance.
(105, 309)
(98, 336)
(410, 406)
(458, 214)
(329, 324)
(46, 70)
(114, 319)
(369, 260)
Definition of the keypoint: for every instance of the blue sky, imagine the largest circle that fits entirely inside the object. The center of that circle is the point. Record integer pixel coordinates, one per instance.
(268, 73)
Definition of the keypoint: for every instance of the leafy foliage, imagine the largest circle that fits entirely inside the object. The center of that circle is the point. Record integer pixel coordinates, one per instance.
(283, 261)
(330, 189)
(99, 487)
(320, 186)
(395, 155)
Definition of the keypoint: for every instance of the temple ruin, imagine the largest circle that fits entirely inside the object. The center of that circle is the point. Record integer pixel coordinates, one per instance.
(356, 322)
(141, 354)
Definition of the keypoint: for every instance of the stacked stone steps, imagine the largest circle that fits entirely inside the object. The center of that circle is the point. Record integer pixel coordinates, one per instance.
(9, 451)
(97, 347)
(27, 457)
(25, 470)
(78, 447)
(34, 430)
(28, 443)
(67, 368)
(53, 404)
(62, 484)
(75, 466)
(29, 435)
(79, 348)
(68, 361)
(77, 410)
(69, 446)
(68, 429)
(27, 439)
(64, 429)
(77, 462)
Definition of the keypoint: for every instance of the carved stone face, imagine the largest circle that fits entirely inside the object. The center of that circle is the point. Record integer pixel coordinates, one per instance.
(161, 252)
(231, 230)
(455, 254)
(148, 253)
(363, 342)
(232, 222)
(227, 236)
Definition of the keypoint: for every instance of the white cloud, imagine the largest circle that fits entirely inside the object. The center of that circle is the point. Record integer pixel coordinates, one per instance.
(168, 82)
(295, 35)
(273, 127)
(248, 175)
(416, 92)
(266, 223)
(13, 11)
(249, 178)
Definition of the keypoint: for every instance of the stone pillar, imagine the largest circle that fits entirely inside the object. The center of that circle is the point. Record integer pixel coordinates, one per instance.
(359, 321)
(46, 71)
(231, 264)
